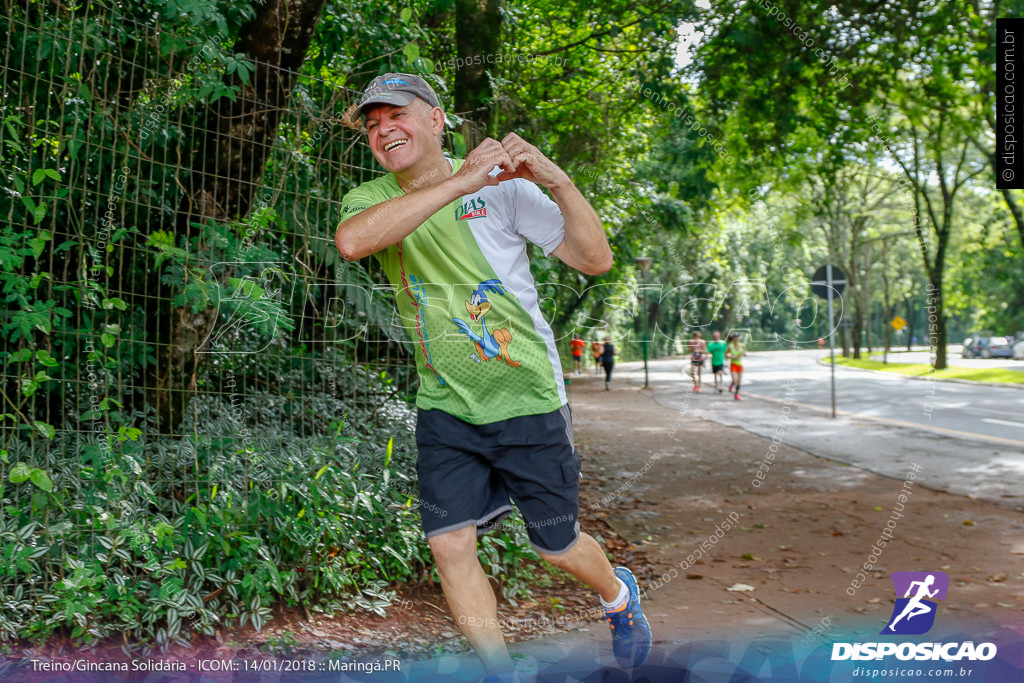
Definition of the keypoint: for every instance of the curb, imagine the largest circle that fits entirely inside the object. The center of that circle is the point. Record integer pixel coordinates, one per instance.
(955, 380)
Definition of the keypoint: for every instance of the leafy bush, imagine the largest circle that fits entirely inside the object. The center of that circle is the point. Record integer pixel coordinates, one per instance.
(159, 538)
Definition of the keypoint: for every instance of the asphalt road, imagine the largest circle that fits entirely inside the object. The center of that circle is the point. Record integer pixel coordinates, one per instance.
(980, 411)
(968, 439)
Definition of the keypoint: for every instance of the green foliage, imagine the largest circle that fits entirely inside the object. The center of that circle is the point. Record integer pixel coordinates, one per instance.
(329, 522)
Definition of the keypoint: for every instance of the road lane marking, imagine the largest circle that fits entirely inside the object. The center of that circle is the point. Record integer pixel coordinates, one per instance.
(898, 423)
(1002, 422)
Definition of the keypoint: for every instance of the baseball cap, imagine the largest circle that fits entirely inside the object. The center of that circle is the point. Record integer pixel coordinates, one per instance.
(397, 90)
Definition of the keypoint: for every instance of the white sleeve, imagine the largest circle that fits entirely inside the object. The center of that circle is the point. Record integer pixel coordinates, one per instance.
(537, 217)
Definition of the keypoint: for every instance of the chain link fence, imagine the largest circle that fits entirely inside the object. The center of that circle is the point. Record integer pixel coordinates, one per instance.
(205, 411)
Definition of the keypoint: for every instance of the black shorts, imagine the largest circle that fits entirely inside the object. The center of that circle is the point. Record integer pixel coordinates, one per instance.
(468, 474)
(697, 361)
(717, 368)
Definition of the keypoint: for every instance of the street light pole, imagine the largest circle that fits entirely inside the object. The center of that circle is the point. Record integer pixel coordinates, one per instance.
(644, 263)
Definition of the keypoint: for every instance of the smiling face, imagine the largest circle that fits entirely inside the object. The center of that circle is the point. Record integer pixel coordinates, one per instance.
(404, 139)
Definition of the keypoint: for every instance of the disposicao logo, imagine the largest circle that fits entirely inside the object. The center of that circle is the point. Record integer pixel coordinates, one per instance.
(914, 614)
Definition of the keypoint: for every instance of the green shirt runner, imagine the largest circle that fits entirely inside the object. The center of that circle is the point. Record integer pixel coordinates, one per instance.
(717, 351)
(466, 296)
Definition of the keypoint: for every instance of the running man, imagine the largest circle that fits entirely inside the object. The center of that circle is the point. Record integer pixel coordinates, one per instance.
(735, 352)
(697, 350)
(577, 345)
(608, 362)
(492, 422)
(717, 349)
(597, 348)
(915, 607)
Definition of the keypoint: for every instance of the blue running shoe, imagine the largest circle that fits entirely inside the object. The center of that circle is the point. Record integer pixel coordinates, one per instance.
(631, 634)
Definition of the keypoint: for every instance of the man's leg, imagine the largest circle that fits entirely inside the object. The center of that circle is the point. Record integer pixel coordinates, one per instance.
(588, 563)
(470, 596)
(541, 473)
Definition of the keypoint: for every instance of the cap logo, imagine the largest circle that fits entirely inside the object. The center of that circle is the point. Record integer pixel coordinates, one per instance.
(394, 81)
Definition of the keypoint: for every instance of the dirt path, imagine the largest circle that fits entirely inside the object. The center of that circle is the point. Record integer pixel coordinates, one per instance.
(667, 481)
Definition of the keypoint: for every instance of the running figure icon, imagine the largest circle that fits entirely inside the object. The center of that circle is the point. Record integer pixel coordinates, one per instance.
(915, 607)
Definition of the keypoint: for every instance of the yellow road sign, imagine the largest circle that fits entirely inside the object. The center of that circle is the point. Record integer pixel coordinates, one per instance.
(898, 323)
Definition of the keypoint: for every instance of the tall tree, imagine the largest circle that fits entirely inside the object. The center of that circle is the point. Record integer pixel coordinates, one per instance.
(820, 65)
(224, 176)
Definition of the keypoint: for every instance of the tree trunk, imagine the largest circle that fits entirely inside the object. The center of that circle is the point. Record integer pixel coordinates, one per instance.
(225, 175)
(887, 307)
(868, 310)
(1015, 211)
(936, 323)
(857, 329)
(477, 41)
(911, 314)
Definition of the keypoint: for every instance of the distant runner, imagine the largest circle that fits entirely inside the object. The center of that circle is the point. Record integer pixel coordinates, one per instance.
(608, 361)
(735, 352)
(697, 350)
(717, 348)
(598, 349)
(577, 345)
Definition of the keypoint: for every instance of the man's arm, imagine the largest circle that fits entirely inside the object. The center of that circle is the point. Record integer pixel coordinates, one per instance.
(380, 226)
(585, 247)
(387, 223)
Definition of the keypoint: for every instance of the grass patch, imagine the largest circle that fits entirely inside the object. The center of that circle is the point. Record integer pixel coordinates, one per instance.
(998, 375)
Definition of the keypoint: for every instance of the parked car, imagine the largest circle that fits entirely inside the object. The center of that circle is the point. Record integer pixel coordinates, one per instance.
(970, 346)
(1018, 350)
(997, 347)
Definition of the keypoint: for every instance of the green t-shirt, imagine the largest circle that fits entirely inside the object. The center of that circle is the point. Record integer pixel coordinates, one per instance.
(737, 351)
(717, 351)
(467, 299)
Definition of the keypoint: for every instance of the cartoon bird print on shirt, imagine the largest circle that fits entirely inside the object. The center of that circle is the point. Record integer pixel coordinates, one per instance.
(488, 344)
